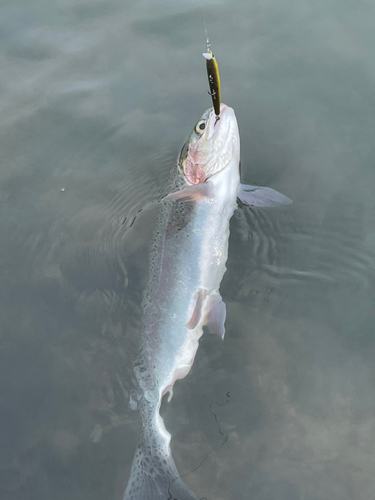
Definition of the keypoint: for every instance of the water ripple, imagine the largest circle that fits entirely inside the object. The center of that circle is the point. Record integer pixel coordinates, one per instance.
(286, 248)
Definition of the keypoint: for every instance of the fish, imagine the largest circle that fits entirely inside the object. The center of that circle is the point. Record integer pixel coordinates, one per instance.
(187, 262)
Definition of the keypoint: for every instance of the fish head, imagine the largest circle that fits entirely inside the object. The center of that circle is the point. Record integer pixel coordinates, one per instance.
(214, 142)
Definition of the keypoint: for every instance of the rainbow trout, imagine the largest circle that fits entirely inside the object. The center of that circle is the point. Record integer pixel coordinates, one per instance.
(187, 263)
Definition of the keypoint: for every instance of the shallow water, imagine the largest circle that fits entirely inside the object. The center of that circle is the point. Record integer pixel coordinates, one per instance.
(97, 99)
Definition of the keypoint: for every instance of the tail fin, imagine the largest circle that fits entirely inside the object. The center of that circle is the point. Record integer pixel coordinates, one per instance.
(155, 478)
(154, 475)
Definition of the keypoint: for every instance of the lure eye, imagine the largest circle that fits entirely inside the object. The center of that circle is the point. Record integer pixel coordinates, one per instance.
(200, 126)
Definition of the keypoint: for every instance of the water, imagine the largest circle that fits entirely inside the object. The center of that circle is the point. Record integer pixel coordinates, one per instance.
(97, 99)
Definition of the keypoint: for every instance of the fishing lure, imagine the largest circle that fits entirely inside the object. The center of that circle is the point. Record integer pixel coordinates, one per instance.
(213, 78)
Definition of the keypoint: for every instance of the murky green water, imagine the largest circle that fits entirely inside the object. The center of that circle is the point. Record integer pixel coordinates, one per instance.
(97, 98)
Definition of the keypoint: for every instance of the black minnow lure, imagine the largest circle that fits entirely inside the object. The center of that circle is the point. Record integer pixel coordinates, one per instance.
(213, 78)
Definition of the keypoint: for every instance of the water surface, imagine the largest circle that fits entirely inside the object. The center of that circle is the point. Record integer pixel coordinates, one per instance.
(97, 99)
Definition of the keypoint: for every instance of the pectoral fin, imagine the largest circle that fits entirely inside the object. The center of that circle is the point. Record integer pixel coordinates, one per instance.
(215, 316)
(258, 196)
(192, 193)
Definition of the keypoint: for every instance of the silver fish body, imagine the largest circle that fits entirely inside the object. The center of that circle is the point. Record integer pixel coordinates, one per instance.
(187, 263)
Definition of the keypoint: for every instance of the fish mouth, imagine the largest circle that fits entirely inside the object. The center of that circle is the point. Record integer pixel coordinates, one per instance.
(214, 121)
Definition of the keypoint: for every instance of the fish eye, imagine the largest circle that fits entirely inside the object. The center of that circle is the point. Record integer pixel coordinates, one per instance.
(200, 126)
